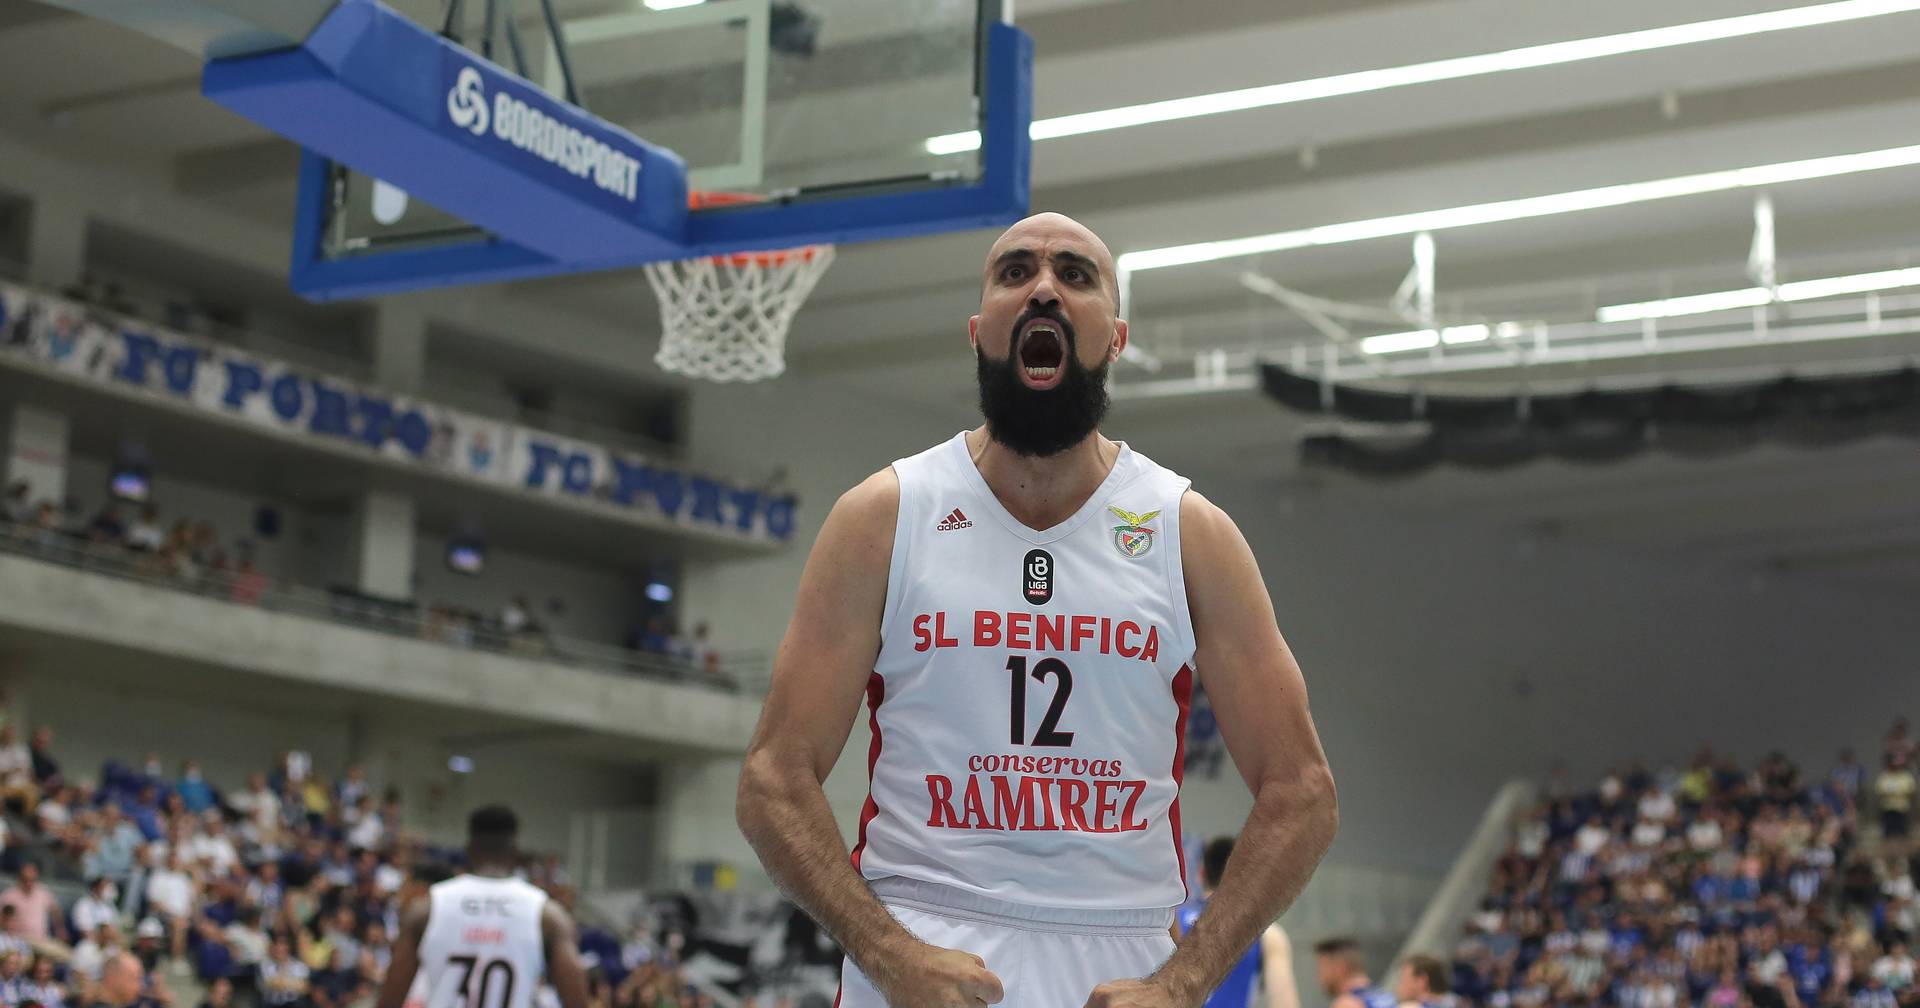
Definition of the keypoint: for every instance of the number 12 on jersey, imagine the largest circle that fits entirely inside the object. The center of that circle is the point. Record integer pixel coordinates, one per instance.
(1049, 733)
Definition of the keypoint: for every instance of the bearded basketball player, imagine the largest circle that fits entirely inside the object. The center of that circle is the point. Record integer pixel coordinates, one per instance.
(1027, 608)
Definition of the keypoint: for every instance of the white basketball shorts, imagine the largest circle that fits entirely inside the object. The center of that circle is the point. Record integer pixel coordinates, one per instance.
(1040, 965)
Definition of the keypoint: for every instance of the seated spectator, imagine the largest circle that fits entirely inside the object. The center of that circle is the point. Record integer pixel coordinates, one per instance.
(260, 812)
(171, 897)
(1895, 969)
(339, 984)
(45, 528)
(107, 527)
(55, 812)
(655, 639)
(46, 769)
(367, 831)
(514, 617)
(14, 508)
(93, 952)
(351, 787)
(249, 585)
(1899, 741)
(265, 890)
(282, 978)
(212, 848)
(219, 994)
(192, 787)
(116, 844)
(1847, 776)
(42, 986)
(36, 917)
(96, 907)
(13, 976)
(1894, 790)
(145, 535)
(18, 790)
(143, 808)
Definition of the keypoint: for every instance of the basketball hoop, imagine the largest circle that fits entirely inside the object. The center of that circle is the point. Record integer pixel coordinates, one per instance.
(725, 318)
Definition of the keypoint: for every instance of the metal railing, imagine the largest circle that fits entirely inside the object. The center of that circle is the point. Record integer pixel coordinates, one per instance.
(735, 672)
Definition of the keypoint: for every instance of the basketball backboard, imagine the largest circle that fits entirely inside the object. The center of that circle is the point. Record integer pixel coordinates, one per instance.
(826, 111)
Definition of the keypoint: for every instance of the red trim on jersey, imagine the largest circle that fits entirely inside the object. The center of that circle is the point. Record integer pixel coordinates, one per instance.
(876, 692)
(1182, 695)
(838, 990)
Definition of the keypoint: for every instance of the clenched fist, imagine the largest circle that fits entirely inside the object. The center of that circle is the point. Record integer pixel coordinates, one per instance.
(928, 976)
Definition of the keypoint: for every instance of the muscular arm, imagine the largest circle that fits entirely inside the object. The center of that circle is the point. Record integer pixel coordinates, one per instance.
(1260, 700)
(818, 676)
(406, 955)
(564, 971)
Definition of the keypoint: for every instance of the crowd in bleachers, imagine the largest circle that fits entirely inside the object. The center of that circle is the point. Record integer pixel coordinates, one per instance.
(1713, 886)
(282, 890)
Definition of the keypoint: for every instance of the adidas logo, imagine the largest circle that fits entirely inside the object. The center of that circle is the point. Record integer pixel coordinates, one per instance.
(956, 520)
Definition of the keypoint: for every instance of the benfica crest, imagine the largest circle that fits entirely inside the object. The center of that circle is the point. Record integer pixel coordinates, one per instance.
(1131, 537)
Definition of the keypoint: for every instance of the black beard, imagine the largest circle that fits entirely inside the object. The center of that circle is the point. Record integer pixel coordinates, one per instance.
(1041, 422)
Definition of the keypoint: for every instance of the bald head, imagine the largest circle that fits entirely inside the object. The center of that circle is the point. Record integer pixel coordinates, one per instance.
(121, 978)
(1065, 239)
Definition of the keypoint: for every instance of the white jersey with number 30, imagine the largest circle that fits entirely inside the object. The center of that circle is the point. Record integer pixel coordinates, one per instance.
(1030, 700)
(483, 946)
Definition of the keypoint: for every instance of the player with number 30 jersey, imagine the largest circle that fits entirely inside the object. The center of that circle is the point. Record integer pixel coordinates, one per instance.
(485, 939)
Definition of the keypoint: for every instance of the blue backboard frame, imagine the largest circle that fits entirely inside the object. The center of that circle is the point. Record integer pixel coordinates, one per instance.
(318, 94)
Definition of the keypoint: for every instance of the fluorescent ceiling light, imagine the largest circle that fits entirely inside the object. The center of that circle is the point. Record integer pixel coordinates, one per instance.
(1420, 339)
(671, 4)
(1522, 209)
(1424, 339)
(1799, 290)
(1359, 82)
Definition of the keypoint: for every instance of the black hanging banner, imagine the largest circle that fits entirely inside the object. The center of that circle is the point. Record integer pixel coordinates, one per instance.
(1598, 426)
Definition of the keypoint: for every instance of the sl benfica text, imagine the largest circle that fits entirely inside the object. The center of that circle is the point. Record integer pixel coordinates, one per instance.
(1026, 792)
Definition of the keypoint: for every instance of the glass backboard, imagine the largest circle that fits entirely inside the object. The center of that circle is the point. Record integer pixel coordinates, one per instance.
(792, 100)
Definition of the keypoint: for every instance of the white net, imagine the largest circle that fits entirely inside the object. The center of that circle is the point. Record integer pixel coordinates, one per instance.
(725, 318)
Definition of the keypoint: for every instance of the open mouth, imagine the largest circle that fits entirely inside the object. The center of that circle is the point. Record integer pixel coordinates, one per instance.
(1043, 353)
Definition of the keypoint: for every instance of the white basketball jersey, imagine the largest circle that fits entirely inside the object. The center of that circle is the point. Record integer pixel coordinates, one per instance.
(483, 947)
(1030, 700)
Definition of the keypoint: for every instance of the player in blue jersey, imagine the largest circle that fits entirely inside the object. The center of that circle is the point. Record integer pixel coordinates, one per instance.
(1270, 960)
(1424, 983)
(1344, 978)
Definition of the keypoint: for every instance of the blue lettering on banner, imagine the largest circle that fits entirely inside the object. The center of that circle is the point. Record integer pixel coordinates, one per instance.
(287, 397)
(376, 421)
(141, 348)
(629, 479)
(329, 411)
(243, 380)
(414, 433)
(333, 407)
(706, 501)
(576, 475)
(746, 504)
(179, 367)
(669, 491)
(540, 457)
(780, 517)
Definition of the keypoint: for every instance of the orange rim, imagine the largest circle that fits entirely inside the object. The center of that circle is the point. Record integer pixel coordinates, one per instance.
(707, 199)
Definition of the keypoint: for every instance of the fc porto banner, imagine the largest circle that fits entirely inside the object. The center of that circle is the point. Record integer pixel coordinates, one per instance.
(88, 344)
